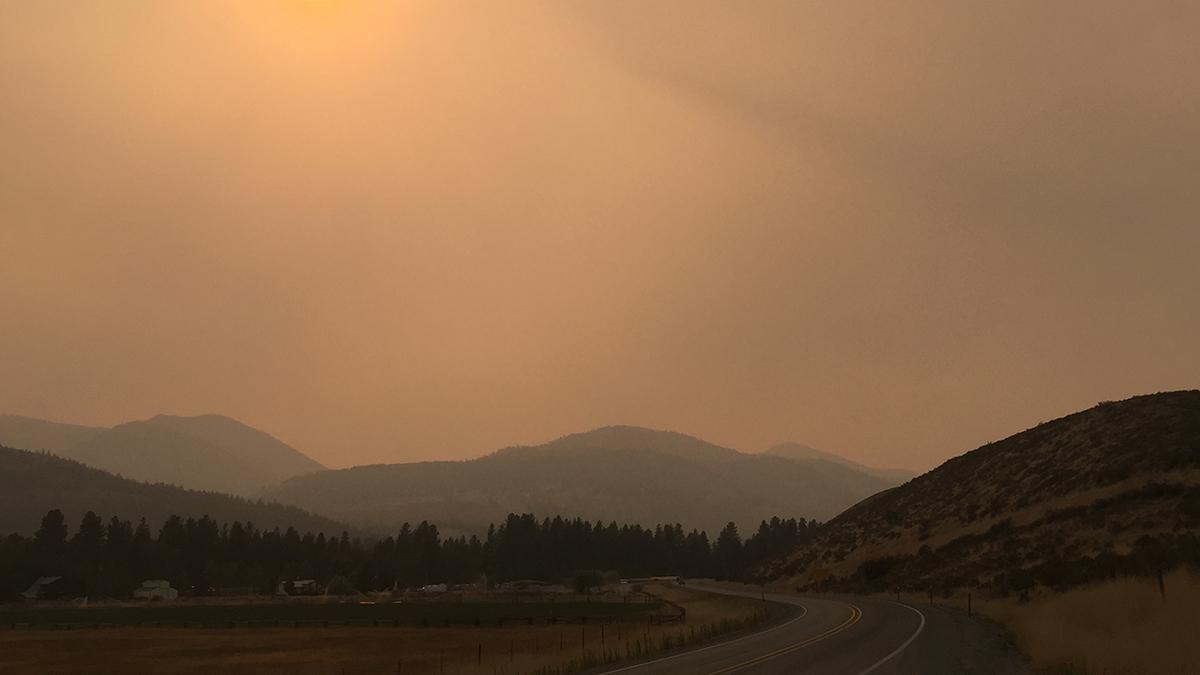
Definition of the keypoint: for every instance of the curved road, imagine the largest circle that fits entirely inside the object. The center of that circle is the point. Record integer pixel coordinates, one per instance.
(835, 635)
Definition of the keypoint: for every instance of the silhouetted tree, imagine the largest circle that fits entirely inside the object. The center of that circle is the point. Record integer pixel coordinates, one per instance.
(198, 554)
(728, 553)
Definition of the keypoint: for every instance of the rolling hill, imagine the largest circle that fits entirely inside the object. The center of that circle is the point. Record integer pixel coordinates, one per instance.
(206, 452)
(1104, 492)
(802, 452)
(627, 474)
(32, 483)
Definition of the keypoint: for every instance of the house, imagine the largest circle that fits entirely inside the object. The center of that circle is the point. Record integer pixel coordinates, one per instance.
(155, 589)
(299, 587)
(44, 588)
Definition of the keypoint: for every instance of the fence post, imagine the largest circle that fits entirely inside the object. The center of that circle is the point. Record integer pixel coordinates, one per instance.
(1162, 586)
(968, 603)
(479, 654)
(931, 595)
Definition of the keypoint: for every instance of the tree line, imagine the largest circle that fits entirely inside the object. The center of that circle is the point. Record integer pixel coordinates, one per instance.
(203, 557)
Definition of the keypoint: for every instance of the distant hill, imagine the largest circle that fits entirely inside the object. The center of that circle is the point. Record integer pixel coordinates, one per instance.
(627, 474)
(799, 451)
(206, 452)
(34, 434)
(32, 483)
(1104, 492)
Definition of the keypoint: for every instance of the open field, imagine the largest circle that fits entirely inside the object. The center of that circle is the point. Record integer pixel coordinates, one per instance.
(347, 613)
(488, 649)
(1114, 628)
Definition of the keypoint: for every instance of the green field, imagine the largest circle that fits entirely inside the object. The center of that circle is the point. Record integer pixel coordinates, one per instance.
(264, 614)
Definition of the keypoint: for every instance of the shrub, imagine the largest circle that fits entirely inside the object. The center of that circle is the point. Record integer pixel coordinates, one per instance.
(340, 585)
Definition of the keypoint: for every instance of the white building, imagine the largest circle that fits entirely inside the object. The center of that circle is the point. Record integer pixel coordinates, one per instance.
(156, 589)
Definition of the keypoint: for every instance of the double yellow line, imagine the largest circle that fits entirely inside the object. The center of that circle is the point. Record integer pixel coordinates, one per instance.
(855, 615)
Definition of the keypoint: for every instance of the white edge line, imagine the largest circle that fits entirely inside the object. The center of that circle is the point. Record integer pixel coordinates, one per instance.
(719, 644)
(907, 642)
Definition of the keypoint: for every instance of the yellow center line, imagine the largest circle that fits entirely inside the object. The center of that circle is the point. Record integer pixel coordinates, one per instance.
(855, 615)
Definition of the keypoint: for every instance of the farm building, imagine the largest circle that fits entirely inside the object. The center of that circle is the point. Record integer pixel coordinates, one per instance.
(44, 588)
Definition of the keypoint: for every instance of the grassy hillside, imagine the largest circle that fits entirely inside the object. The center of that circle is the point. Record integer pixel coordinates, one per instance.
(33, 483)
(1103, 492)
(615, 473)
(206, 452)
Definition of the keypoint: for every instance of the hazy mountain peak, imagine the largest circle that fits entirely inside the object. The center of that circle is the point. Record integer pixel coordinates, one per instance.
(800, 452)
(626, 437)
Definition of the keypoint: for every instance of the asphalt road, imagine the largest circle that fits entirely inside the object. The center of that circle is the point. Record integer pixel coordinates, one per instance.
(850, 635)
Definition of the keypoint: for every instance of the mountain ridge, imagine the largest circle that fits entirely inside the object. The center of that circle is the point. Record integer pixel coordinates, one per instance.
(622, 473)
(32, 483)
(207, 452)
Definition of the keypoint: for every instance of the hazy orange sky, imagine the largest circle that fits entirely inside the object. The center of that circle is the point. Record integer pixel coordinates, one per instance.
(395, 231)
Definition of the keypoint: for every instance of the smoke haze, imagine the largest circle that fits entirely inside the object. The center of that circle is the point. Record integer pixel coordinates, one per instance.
(398, 231)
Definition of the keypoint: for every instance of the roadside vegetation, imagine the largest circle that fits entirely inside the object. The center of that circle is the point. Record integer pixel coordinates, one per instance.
(1121, 627)
(454, 610)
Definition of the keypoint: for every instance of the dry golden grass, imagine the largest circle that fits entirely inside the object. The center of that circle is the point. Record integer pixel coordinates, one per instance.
(1115, 628)
(507, 650)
